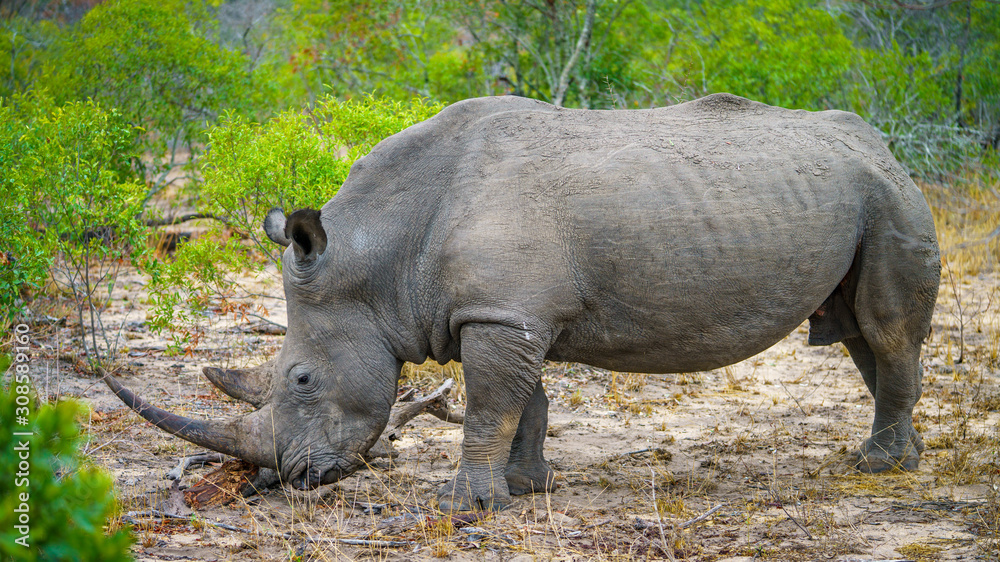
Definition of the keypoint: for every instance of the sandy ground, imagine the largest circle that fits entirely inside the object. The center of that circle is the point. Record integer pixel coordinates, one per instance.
(735, 464)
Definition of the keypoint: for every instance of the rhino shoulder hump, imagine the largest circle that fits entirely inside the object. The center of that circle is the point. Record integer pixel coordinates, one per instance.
(469, 112)
(723, 104)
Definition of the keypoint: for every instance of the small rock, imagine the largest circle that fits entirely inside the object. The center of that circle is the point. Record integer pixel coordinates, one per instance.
(476, 534)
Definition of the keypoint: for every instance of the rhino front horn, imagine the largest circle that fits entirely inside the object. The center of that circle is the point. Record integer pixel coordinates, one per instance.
(251, 385)
(247, 437)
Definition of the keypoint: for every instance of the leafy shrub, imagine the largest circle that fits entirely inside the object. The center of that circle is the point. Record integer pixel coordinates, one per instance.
(295, 159)
(907, 97)
(527, 48)
(68, 500)
(74, 204)
(24, 41)
(396, 48)
(780, 52)
(156, 63)
(24, 260)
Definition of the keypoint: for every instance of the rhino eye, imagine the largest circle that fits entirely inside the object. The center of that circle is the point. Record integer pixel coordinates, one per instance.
(303, 379)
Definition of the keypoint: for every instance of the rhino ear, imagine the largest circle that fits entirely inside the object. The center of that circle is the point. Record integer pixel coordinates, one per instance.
(274, 226)
(306, 233)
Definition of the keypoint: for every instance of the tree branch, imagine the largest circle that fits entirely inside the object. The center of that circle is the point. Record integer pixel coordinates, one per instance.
(177, 219)
(588, 26)
(435, 404)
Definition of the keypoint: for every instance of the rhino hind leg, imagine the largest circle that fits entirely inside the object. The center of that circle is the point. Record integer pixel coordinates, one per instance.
(884, 450)
(894, 443)
(893, 301)
(864, 360)
(527, 472)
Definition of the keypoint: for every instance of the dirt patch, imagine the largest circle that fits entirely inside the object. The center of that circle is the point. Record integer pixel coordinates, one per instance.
(738, 463)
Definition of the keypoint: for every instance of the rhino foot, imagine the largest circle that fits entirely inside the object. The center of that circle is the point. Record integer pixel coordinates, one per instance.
(875, 465)
(467, 493)
(874, 458)
(532, 479)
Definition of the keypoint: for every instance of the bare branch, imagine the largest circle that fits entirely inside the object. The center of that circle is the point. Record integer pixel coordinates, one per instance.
(435, 403)
(177, 219)
(588, 26)
(199, 459)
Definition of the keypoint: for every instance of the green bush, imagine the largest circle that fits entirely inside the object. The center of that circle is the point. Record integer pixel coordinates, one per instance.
(24, 261)
(68, 500)
(780, 52)
(396, 48)
(155, 62)
(295, 159)
(73, 205)
(23, 44)
(907, 96)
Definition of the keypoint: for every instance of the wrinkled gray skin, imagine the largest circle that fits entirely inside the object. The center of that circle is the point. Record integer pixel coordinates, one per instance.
(504, 232)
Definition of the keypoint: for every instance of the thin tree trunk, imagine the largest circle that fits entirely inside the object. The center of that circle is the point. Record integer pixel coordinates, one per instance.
(961, 65)
(588, 26)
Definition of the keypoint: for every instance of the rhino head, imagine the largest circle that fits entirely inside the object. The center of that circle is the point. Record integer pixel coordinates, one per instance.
(323, 401)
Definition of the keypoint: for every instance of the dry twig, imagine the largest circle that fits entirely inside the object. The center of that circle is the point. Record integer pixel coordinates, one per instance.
(435, 404)
(200, 459)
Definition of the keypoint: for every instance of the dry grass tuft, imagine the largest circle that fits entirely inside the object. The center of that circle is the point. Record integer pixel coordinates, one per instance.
(920, 552)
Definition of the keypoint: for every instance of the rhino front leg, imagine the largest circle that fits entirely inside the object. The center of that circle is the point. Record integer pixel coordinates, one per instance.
(527, 472)
(502, 367)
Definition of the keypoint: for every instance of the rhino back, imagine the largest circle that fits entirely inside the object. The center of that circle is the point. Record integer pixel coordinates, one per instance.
(672, 239)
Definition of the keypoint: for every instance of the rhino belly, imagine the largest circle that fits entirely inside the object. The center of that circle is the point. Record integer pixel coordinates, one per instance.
(690, 327)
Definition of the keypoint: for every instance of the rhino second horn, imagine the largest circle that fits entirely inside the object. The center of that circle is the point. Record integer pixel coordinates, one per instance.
(249, 385)
(244, 437)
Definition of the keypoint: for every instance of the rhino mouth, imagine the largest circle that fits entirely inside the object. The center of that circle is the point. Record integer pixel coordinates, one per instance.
(315, 474)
